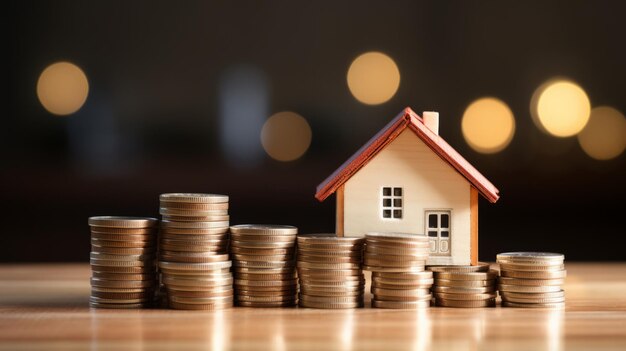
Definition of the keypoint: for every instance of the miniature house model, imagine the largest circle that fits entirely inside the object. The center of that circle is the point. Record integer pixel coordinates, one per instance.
(408, 179)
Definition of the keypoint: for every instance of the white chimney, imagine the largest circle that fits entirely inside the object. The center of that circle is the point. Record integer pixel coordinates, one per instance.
(431, 120)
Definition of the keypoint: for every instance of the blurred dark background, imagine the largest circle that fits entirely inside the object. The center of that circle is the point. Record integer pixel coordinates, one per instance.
(164, 77)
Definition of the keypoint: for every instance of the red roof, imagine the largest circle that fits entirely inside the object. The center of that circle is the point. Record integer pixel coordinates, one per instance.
(406, 119)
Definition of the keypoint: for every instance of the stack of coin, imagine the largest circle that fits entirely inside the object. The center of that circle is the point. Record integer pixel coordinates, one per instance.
(330, 272)
(264, 265)
(531, 279)
(123, 256)
(397, 263)
(193, 251)
(464, 286)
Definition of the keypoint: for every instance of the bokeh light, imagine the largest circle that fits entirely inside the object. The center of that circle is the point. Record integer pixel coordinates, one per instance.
(488, 125)
(373, 78)
(62, 88)
(604, 136)
(286, 136)
(562, 107)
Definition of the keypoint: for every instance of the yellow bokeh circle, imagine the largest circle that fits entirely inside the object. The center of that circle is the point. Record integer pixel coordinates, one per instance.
(286, 136)
(488, 125)
(373, 78)
(62, 88)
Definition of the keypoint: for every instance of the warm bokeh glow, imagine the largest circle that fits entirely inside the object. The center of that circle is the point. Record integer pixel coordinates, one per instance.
(488, 125)
(604, 136)
(373, 78)
(563, 108)
(62, 88)
(286, 136)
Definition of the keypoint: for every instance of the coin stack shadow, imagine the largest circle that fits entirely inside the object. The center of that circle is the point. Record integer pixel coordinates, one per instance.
(397, 263)
(531, 279)
(330, 271)
(193, 251)
(264, 265)
(464, 286)
(123, 255)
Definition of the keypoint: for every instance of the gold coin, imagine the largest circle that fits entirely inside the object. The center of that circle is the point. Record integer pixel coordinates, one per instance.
(122, 276)
(542, 257)
(124, 251)
(338, 247)
(292, 291)
(178, 239)
(480, 267)
(118, 305)
(193, 231)
(533, 300)
(195, 266)
(209, 256)
(202, 300)
(264, 264)
(122, 243)
(456, 290)
(206, 219)
(491, 275)
(180, 293)
(285, 270)
(417, 293)
(402, 237)
(330, 254)
(124, 284)
(396, 264)
(261, 252)
(128, 270)
(206, 283)
(403, 276)
(149, 289)
(208, 272)
(409, 269)
(402, 287)
(245, 257)
(328, 273)
(530, 282)
(333, 266)
(111, 257)
(278, 298)
(530, 268)
(193, 198)
(122, 222)
(195, 224)
(350, 281)
(247, 276)
(103, 300)
(534, 275)
(194, 206)
(324, 293)
(396, 258)
(465, 303)
(321, 259)
(264, 229)
(123, 296)
(266, 304)
(546, 295)
(331, 299)
(207, 289)
(529, 289)
(465, 297)
(124, 231)
(401, 304)
(263, 238)
(264, 245)
(222, 248)
(533, 305)
(124, 237)
(110, 263)
(464, 283)
(328, 239)
(274, 283)
(177, 212)
(324, 305)
(199, 307)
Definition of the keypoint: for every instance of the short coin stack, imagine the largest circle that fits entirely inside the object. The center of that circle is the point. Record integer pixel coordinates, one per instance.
(193, 251)
(531, 279)
(397, 263)
(464, 286)
(264, 265)
(329, 271)
(123, 256)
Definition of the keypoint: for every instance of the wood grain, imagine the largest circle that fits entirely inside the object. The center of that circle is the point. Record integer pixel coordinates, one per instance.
(44, 306)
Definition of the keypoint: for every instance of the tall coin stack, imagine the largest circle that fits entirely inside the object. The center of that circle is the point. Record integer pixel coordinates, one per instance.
(330, 271)
(123, 256)
(464, 286)
(193, 251)
(264, 265)
(397, 263)
(531, 279)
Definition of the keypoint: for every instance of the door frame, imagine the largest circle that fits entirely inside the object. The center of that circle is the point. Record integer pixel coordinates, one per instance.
(439, 211)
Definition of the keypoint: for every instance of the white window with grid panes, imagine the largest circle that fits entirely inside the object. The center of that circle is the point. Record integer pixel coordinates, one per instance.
(391, 200)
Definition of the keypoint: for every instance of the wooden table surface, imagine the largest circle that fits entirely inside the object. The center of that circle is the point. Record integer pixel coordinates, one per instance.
(44, 306)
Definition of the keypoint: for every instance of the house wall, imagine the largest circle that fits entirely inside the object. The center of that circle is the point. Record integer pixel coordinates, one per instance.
(428, 182)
